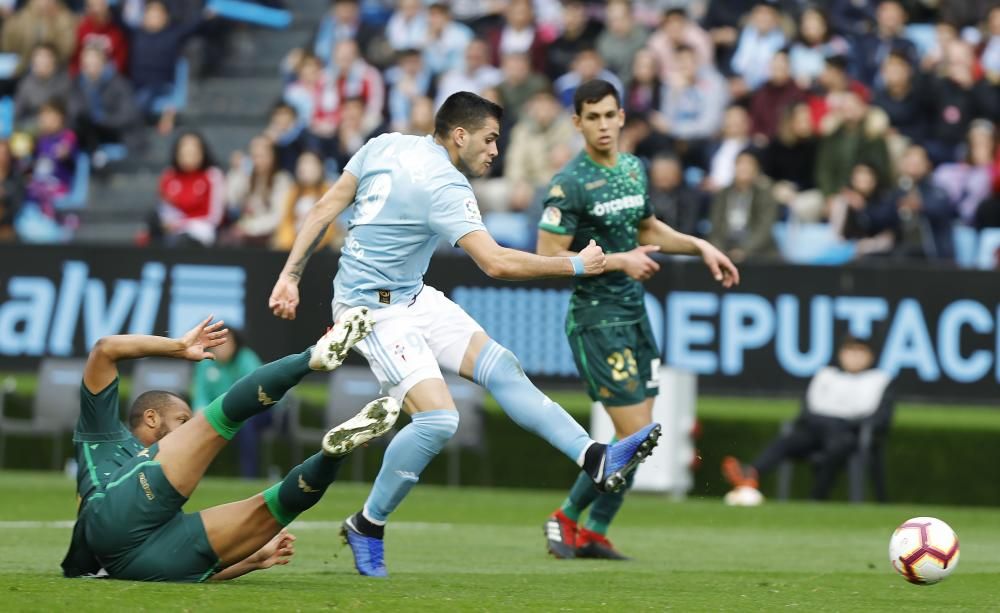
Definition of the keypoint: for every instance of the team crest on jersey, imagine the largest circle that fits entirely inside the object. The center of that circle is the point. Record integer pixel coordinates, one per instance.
(552, 216)
(556, 191)
(634, 175)
(472, 210)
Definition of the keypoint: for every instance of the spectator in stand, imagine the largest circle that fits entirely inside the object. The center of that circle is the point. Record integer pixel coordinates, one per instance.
(256, 190)
(44, 82)
(587, 66)
(353, 77)
(760, 39)
(98, 27)
(155, 49)
(40, 22)
(855, 213)
(421, 117)
(352, 132)
(851, 18)
(743, 214)
(213, 378)
(944, 34)
(769, 101)
(518, 33)
(310, 185)
(407, 28)
(192, 195)
(677, 31)
(854, 134)
(288, 135)
(723, 21)
(622, 39)
(11, 193)
(644, 92)
(314, 99)
(790, 161)
(868, 51)
(540, 143)
(408, 80)
(103, 106)
(693, 102)
(918, 211)
(958, 98)
(446, 39)
(990, 58)
(342, 22)
(722, 153)
(903, 96)
(831, 84)
(969, 182)
(815, 42)
(519, 84)
(673, 202)
(475, 76)
(579, 32)
(54, 160)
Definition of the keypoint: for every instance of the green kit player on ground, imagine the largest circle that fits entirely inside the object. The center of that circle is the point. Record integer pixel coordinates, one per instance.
(132, 482)
(601, 195)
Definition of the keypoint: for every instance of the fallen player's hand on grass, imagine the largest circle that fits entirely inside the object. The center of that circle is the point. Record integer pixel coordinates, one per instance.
(593, 259)
(202, 337)
(278, 551)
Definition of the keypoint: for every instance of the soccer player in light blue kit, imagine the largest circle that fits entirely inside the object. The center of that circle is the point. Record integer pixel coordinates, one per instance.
(407, 192)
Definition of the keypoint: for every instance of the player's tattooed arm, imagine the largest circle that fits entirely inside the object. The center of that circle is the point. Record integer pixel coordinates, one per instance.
(295, 269)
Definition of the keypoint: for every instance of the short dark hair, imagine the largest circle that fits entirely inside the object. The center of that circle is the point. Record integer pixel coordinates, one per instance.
(594, 91)
(465, 110)
(155, 399)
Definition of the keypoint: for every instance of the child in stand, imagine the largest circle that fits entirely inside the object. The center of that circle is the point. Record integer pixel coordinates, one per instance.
(54, 160)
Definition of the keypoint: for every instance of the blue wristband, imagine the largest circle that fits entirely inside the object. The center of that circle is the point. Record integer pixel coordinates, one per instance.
(578, 268)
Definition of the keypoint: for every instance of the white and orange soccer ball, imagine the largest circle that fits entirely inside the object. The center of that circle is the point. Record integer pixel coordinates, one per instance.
(924, 550)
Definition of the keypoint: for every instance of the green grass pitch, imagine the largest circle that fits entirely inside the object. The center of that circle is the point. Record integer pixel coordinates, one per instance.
(482, 550)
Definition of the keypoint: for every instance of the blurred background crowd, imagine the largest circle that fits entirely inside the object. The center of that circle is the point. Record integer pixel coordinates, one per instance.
(810, 131)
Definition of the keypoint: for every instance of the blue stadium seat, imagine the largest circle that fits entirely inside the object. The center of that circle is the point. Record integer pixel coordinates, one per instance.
(922, 35)
(965, 239)
(812, 243)
(6, 116)
(987, 256)
(511, 229)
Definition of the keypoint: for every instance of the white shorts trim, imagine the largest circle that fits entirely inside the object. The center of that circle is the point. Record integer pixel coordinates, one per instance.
(414, 341)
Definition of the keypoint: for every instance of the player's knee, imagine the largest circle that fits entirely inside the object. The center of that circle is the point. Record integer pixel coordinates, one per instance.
(437, 426)
(507, 365)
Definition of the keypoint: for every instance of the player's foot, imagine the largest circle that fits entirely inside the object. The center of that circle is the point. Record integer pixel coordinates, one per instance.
(331, 350)
(368, 551)
(738, 474)
(560, 535)
(590, 544)
(373, 421)
(622, 458)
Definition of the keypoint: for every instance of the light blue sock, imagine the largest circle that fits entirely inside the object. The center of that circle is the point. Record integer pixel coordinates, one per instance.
(405, 458)
(498, 370)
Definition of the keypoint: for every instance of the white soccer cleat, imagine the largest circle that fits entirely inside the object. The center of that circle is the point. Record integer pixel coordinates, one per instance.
(373, 421)
(331, 350)
(744, 496)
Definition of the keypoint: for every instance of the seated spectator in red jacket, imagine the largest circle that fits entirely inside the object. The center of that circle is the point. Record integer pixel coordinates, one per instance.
(832, 83)
(769, 101)
(103, 106)
(44, 82)
(98, 27)
(192, 195)
(54, 161)
(314, 98)
(353, 77)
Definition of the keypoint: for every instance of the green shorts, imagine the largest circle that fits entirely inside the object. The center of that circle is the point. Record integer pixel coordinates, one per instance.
(618, 362)
(137, 530)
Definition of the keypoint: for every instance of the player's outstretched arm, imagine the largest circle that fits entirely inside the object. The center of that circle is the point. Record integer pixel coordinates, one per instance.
(277, 552)
(102, 363)
(513, 265)
(652, 231)
(285, 295)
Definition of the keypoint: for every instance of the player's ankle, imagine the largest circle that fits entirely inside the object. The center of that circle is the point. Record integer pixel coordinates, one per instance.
(366, 527)
(593, 460)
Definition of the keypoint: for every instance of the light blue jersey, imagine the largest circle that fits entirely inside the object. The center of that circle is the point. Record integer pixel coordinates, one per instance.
(409, 194)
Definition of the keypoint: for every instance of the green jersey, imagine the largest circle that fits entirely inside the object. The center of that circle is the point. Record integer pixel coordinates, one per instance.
(591, 201)
(103, 443)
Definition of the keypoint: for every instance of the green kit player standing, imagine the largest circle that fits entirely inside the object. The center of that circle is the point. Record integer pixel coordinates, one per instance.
(601, 195)
(133, 481)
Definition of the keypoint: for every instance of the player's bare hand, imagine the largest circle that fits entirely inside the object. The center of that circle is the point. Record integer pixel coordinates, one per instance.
(593, 259)
(284, 298)
(722, 268)
(637, 263)
(277, 552)
(199, 339)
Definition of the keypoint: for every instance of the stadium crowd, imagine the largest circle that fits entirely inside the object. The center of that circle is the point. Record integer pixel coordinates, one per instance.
(871, 120)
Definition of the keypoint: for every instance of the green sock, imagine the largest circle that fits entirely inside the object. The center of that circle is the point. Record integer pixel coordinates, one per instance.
(606, 507)
(580, 496)
(301, 488)
(256, 393)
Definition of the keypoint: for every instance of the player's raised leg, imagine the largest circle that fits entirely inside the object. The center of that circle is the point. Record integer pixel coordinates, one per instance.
(186, 453)
(237, 530)
(497, 369)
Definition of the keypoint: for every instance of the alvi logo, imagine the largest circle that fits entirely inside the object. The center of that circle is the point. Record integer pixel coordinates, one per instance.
(40, 317)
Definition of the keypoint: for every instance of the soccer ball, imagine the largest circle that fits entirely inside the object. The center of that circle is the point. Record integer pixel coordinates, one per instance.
(744, 496)
(924, 550)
